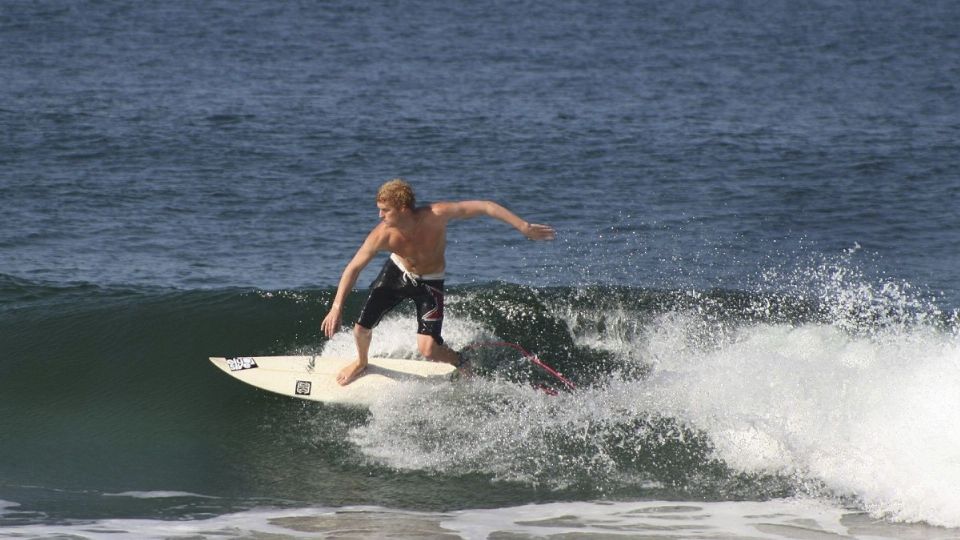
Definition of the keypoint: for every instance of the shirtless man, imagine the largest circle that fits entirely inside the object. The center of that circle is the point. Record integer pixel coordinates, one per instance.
(416, 239)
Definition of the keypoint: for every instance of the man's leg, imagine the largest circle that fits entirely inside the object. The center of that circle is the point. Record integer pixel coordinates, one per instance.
(437, 352)
(432, 350)
(430, 323)
(362, 336)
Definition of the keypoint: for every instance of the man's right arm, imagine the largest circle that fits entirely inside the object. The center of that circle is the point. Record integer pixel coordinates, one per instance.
(366, 253)
(471, 209)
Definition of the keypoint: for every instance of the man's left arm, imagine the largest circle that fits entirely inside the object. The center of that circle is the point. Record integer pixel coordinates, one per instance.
(471, 209)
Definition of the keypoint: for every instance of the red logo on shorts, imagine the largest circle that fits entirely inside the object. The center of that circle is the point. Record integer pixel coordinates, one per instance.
(435, 314)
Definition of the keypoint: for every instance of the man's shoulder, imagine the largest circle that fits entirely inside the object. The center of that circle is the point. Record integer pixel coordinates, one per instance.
(379, 235)
(430, 210)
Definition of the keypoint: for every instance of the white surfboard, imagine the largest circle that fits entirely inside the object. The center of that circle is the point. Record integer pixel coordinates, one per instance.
(314, 377)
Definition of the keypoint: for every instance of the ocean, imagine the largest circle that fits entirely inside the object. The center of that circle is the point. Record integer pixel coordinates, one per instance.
(754, 283)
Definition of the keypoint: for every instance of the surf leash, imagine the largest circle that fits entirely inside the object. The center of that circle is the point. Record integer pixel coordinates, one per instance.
(534, 359)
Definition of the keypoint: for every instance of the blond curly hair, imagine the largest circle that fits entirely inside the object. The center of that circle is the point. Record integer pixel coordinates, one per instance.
(397, 193)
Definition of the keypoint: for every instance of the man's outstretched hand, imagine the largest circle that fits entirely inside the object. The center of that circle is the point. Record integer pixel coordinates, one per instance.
(535, 231)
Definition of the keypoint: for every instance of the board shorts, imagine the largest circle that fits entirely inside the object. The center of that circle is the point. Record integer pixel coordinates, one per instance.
(394, 285)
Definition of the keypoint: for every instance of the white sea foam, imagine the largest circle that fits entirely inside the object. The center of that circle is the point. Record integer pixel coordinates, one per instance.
(777, 519)
(774, 519)
(877, 420)
(157, 495)
(861, 403)
(842, 408)
(238, 525)
(5, 506)
(864, 403)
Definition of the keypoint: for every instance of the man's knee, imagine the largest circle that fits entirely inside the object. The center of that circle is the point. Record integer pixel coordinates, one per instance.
(361, 331)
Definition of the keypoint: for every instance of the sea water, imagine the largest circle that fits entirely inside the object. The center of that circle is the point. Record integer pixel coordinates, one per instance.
(754, 283)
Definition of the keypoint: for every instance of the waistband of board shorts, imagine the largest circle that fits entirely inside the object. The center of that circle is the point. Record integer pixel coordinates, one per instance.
(410, 275)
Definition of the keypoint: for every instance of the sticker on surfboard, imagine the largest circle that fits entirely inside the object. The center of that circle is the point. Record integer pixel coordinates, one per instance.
(303, 388)
(240, 363)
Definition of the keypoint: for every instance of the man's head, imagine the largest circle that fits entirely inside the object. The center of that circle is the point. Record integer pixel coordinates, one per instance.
(396, 202)
(397, 193)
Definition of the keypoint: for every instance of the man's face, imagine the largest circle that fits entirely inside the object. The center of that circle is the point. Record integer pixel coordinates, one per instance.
(389, 214)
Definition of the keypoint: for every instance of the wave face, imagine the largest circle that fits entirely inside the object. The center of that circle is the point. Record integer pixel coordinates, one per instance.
(848, 392)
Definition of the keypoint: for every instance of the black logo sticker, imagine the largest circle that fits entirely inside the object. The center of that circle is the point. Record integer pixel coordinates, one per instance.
(303, 388)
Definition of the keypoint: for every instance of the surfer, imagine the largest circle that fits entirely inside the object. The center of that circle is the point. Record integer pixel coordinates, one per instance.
(416, 240)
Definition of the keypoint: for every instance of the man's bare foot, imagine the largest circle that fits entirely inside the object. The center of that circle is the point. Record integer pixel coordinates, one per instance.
(350, 373)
